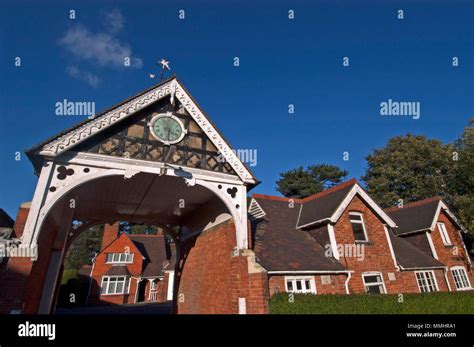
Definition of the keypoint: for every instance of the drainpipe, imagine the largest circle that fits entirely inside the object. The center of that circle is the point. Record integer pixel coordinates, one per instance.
(445, 270)
(346, 283)
(90, 280)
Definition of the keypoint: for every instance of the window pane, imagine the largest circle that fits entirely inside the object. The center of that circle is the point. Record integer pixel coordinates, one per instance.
(307, 284)
(119, 287)
(289, 284)
(112, 286)
(355, 217)
(374, 289)
(372, 279)
(298, 285)
(358, 231)
(105, 281)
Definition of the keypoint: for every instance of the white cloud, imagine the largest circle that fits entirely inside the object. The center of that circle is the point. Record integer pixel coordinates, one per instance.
(114, 21)
(88, 77)
(101, 49)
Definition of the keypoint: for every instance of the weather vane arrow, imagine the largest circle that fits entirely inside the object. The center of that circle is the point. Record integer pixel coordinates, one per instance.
(165, 65)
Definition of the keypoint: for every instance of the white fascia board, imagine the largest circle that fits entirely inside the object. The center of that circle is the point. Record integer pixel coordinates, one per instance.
(358, 190)
(432, 246)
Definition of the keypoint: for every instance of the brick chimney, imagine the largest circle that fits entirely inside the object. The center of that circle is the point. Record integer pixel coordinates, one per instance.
(21, 218)
(111, 232)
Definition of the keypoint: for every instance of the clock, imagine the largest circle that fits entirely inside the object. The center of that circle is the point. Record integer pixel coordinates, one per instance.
(167, 128)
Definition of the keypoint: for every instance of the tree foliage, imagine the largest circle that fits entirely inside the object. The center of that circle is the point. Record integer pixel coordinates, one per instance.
(84, 248)
(414, 167)
(409, 168)
(300, 183)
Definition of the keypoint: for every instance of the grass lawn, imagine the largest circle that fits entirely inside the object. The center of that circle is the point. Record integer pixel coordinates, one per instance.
(430, 303)
(68, 274)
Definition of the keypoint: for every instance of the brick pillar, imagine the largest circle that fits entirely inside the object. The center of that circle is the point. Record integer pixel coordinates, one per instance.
(249, 283)
(111, 232)
(212, 275)
(16, 271)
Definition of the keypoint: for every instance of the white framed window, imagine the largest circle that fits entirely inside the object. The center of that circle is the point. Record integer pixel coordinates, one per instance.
(115, 285)
(426, 281)
(373, 283)
(300, 284)
(444, 234)
(460, 278)
(358, 226)
(119, 258)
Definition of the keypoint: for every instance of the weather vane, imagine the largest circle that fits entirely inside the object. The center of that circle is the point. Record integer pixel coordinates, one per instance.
(165, 65)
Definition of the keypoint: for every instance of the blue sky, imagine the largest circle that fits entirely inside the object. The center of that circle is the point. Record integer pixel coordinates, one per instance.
(282, 62)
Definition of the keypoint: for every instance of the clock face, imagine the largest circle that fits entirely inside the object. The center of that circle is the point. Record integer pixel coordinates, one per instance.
(167, 128)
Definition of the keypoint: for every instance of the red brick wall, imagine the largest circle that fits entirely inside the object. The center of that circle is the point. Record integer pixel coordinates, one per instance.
(337, 285)
(377, 255)
(120, 245)
(212, 276)
(451, 255)
(14, 271)
(111, 232)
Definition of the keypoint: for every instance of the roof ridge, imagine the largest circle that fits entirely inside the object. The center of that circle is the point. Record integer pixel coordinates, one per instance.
(340, 186)
(147, 235)
(414, 203)
(276, 198)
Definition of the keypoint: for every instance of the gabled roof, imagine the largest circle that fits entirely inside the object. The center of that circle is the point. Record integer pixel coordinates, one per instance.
(158, 254)
(323, 205)
(328, 205)
(409, 256)
(420, 216)
(171, 87)
(279, 246)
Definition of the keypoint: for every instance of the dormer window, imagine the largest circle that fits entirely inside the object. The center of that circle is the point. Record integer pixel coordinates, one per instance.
(444, 234)
(119, 258)
(358, 227)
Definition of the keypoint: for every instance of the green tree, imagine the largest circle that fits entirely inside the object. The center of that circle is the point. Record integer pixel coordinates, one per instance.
(461, 185)
(84, 247)
(413, 168)
(300, 183)
(408, 168)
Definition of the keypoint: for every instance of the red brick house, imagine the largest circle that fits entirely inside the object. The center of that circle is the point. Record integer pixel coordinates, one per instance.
(340, 241)
(131, 269)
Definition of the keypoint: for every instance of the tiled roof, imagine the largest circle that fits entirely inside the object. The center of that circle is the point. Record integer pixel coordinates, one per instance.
(410, 256)
(416, 216)
(279, 246)
(118, 270)
(157, 252)
(323, 205)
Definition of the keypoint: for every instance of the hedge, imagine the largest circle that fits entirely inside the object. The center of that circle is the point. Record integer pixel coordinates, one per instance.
(429, 303)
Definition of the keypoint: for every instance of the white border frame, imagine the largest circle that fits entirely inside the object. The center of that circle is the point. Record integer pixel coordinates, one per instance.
(125, 284)
(119, 262)
(460, 267)
(372, 273)
(357, 213)
(312, 282)
(443, 232)
(434, 277)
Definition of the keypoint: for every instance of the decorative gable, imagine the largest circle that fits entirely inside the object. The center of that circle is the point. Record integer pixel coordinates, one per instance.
(124, 131)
